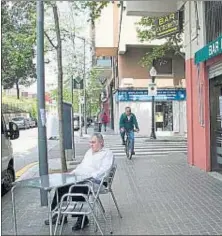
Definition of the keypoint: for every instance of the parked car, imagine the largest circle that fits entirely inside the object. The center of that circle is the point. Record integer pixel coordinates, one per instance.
(36, 122)
(21, 122)
(76, 121)
(28, 122)
(89, 121)
(32, 122)
(8, 171)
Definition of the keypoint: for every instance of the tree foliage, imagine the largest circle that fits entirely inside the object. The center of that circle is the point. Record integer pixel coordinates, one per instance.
(67, 97)
(18, 41)
(146, 31)
(94, 89)
(95, 8)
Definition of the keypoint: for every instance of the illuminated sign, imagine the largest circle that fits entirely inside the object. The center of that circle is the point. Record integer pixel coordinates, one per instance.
(168, 25)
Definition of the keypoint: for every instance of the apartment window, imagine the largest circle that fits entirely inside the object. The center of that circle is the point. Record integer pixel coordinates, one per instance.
(213, 20)
(164, 66)
(104, 58)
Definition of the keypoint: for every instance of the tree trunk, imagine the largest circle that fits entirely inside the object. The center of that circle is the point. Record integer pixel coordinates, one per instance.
(93, 40)
(60, 88)
(17, 89)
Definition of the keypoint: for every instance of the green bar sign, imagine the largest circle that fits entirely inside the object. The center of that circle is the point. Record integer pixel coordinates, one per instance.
(210, 50)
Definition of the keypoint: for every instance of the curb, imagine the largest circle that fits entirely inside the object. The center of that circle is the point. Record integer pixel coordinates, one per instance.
(26, 168)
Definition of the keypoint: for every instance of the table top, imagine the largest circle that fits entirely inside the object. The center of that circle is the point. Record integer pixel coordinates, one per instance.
(51, 181)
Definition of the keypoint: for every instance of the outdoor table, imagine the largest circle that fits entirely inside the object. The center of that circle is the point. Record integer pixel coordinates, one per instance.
(45, 182)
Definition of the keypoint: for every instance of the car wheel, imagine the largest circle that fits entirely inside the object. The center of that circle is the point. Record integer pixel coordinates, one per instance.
(9, 178)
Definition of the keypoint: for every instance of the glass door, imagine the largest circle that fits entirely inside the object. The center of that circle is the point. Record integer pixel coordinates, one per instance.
(216, 123)
(164, 116)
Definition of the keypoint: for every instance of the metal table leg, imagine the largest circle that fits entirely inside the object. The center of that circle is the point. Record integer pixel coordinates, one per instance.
(14, 211)
(50, 213)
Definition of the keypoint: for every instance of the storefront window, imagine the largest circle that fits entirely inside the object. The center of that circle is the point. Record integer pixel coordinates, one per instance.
(164, 116)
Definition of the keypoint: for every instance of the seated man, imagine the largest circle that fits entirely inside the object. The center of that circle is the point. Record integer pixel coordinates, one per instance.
(96, 162)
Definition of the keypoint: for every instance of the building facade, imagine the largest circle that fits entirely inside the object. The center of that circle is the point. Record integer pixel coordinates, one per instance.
(170, 102)
(204, 84)
(129, 81)
(203, 49)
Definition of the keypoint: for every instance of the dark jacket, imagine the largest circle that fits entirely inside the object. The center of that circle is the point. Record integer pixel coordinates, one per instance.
(128, 124)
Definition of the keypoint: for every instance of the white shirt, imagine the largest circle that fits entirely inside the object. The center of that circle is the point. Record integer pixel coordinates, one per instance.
(95, 164)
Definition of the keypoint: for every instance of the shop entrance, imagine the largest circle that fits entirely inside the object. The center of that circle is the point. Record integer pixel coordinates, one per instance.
(164, 116)
(216, 123)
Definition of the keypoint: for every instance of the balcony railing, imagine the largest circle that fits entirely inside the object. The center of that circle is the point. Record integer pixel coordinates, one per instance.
(213, 20)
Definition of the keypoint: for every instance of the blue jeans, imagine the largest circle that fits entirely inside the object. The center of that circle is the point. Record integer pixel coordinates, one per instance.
(131, 138)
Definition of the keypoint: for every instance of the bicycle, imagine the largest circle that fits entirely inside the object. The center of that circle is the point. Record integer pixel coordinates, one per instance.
(128, 149)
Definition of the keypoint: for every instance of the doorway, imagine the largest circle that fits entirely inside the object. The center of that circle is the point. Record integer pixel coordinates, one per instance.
(164, 116)
(216, 123)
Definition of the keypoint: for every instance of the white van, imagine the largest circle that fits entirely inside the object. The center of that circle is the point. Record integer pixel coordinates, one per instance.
(8, 172)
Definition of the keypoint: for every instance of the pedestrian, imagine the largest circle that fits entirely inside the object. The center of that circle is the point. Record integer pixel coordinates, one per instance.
(97, 161)
(104, 120)
(100, 120)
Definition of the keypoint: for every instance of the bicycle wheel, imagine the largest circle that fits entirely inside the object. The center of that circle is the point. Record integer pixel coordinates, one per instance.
(130, 155)
(127, 148)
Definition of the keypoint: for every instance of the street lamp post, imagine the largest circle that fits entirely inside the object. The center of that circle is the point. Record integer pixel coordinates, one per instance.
(42, 140)
(73, 134)
(84, 79)
(80, 114)
(84, 84)
(153, 76)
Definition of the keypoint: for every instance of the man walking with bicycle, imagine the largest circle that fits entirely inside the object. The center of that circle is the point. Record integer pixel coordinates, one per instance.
(126, 124)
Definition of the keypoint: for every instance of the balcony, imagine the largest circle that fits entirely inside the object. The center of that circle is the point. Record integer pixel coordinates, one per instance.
(104, 67)
(152, 8)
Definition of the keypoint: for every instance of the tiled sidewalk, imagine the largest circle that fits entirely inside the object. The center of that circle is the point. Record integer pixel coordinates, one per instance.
(157, 196)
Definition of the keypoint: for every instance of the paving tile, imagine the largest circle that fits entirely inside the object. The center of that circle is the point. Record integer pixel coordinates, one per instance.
(161, 197)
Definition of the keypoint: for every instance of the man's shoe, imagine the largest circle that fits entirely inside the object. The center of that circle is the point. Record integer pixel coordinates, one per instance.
(54, 219)
(78, 223)
(123, 143)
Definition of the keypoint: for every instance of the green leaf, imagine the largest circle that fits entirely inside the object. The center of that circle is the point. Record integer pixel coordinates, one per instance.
(18, 41)
(146, 32)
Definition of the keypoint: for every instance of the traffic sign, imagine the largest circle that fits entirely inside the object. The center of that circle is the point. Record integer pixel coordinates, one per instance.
(152, 89)
(77, 83)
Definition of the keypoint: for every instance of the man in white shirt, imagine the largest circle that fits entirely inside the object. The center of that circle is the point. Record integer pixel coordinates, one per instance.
(96, 162)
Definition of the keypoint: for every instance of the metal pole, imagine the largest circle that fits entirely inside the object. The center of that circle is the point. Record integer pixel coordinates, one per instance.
(84, 84)
(73, 134)
(80, 114)
(111, 104)
(153, 134)
(42, 140)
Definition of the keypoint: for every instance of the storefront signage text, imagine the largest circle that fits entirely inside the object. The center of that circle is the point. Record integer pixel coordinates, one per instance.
(142, 95)
(167, 25)
(210, 50)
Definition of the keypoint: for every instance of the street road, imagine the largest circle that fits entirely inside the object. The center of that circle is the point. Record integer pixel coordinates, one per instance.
(25, 148)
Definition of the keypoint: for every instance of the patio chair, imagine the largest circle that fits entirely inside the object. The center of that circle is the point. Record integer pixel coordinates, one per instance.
(85, 207)
(107, 188)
